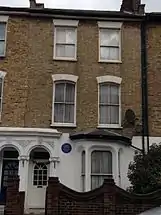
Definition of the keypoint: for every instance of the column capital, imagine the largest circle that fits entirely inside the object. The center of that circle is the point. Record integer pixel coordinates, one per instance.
(54, 159)
(23, 158)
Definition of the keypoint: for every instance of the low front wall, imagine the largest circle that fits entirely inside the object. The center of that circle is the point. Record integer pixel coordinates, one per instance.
(14, 198)
(108, 199)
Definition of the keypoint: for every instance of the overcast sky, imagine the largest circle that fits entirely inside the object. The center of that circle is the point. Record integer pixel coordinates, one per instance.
(151, 5)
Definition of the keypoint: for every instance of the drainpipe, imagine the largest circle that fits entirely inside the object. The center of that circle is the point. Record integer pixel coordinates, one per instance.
(145, 121)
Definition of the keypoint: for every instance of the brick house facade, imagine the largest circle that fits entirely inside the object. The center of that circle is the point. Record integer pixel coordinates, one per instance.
(34, 74)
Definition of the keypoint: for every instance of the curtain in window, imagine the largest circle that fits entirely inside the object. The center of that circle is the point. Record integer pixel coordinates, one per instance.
(2, 38)
(64, 103)
(65, 42)
(101, 167)
(109, 44)
(108, 103)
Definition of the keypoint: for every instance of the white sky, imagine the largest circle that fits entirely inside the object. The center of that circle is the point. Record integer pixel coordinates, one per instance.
(151, 5)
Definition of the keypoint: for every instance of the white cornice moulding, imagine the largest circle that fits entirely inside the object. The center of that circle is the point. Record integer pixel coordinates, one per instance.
(116, 25)
(44, 132)
(65, 22)
(109, 78)
(64, 77)
(4, 18)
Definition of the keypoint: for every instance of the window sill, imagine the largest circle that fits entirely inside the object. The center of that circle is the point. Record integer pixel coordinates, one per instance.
(110, 61)
(63, 125)
(110, 126)
(65, 59)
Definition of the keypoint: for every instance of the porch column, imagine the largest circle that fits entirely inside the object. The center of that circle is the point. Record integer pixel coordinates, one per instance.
(53, 166)
(23, 172)
(87, 170)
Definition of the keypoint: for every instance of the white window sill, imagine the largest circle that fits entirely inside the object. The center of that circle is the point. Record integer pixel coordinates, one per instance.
(64, 59)
(110, 61)
(63, 125)
(110, 126)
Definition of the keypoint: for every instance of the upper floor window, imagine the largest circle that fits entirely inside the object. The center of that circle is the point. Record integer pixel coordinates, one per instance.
(101, 167)
(3, 32)
(2, 76)
(65, 39)
(109, 112)
(109, 41)
(64, 100)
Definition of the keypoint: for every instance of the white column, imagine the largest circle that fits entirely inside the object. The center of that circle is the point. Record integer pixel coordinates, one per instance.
(53, 166)
(23, 172)
(87, 170)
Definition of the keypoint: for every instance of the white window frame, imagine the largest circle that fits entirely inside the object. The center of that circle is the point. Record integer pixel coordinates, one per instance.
(109, 79)
(4, 19)
(65, 24)
(2, 76)
(88, 163)
(67, 78)
(113, 26)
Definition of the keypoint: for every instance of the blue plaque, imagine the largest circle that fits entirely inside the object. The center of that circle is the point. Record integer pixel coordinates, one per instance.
(66, 148)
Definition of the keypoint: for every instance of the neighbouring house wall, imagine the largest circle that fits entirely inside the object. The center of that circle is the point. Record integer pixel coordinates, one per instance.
(29, 64)
(108, 199)
(154, 78)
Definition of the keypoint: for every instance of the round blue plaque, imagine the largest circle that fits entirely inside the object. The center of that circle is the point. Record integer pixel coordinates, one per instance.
(66, 148)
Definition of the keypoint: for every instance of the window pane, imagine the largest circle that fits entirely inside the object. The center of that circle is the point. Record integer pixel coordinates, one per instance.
(2, 48)
(70, 36)
(59, 92)
(60, 35)
(96, 181)
(60, 50)
(65, 51)
(107, 53)
(69, 113)
(114, 94)
(70, 93)
(106, 162)
(104, 112)
(2, 31)
(104, 93)
(95, 162)
(65, 35)
(109, 37)
(70, 51)
(83, 162)
(59, 113)
(114, 114)
(1, 80)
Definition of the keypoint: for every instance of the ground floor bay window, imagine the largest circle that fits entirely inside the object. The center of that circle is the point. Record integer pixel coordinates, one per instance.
(100, 167)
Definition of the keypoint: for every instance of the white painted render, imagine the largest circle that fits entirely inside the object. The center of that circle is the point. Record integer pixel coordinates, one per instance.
(67, 166)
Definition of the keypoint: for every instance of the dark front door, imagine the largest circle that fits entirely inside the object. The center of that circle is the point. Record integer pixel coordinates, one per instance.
(10, 168)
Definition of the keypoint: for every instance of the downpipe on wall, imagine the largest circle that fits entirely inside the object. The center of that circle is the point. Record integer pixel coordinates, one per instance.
(144, 87)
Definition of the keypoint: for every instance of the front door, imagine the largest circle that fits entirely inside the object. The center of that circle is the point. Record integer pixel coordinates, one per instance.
(9, 168)
(38, 178)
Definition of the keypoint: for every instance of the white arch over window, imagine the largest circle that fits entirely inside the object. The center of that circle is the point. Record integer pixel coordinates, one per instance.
(64, 100)
(109, 78)
(65, 77)
(46, 147)
(14, 145)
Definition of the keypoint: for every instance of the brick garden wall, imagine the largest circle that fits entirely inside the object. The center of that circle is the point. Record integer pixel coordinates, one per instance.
(108, 199)
(14, 199)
